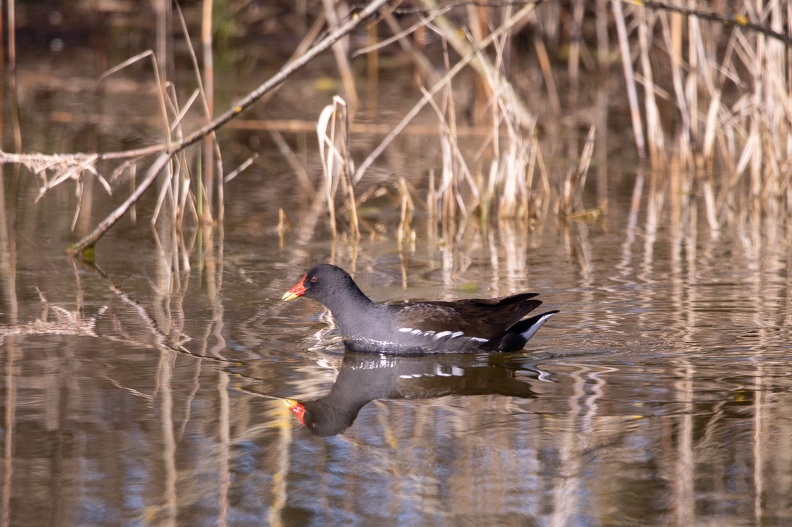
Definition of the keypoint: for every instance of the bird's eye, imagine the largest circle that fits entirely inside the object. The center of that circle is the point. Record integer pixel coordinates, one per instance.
(313, 279)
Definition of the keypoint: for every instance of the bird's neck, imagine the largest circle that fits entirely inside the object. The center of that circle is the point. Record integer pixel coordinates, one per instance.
(350, 309)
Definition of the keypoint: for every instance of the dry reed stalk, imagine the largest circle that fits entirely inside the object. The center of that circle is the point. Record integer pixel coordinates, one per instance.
(474, 31)
(603, 46)
(514, 181)
(573, 65)
(431, 199)
(691, 84)
(571, 197)
(545, 25)
(756, 124)
(529, 205)
(654, 129)
(547, 73)
(721, 123)
(709, 204)
(778, 102)
(336, 161)
(672, 37)
(349, 169)
(335, 13)
(372, 67)
(585, 163)
(176, 184)
(12, 78)
(238, 170)
(11, 11)
(710, 131)
(326, 154)
(629, 77)
(404, 232)
(209, 142)
(448, 189)
(166, 190)
(564, 204)
(211, 148)
(132, 183)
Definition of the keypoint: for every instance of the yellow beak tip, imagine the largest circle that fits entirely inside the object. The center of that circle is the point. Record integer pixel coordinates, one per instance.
(288, 296)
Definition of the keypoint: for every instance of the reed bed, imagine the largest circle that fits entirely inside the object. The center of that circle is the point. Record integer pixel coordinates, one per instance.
(707, 89)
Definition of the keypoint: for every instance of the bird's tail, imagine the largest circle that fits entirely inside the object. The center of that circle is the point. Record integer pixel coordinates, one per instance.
(521, 332)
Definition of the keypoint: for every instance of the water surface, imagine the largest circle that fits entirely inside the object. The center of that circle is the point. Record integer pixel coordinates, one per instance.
(144, 392)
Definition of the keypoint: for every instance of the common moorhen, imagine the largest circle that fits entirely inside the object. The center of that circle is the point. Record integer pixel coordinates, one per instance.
(415, 328)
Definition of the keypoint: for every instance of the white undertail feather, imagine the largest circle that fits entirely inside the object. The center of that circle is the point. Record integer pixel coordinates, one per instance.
(539, 323)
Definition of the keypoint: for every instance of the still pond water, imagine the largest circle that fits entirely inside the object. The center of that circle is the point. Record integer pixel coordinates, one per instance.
(147, 390)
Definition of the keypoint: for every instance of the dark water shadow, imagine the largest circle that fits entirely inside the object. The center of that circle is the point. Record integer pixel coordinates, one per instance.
(364, 378)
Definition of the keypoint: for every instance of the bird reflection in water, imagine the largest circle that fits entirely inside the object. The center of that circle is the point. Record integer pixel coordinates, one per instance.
(364, 378)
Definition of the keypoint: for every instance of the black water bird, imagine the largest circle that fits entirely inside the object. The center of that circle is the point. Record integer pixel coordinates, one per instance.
(417, 328)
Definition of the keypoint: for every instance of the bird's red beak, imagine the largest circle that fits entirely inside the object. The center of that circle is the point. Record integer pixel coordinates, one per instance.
(297, 409)
(297, 290)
